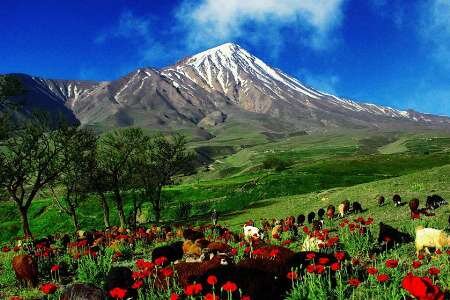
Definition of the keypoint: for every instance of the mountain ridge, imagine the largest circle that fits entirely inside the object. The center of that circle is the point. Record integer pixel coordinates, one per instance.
(219, 85)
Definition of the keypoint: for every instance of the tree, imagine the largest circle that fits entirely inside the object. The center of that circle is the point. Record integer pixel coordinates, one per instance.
(29, 161)
(163, 159)
(73, 183)
(10, 86)
(100, 184)
(116, 154)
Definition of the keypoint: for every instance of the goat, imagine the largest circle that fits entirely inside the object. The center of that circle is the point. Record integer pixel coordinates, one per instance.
(188, 271)
(312, 244)
(397, 200)
(356, 207)
(251, 232)
(300, 219)
(434, 202)
(26, 269)
(172, 252)
(191, 234)
(311, 217)
(430, 237)
(82, 291)
(380, 200)
(331, 210)
(321, 213)
(388, 237)
(343, 208)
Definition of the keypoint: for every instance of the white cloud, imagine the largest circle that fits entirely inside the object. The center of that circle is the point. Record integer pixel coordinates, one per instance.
(209, 22)
(435, 30)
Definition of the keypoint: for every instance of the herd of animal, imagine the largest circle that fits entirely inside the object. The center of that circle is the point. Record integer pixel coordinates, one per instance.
(196, 253)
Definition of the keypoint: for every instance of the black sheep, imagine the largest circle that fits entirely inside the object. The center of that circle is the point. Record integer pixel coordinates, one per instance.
(192, 234)
(82, 291)
(321, 213)
(356, 207)
(300, 219)
(388, 237)
(317, 224)
(435, 201)
(311, 217)
(172, 252)
(397, 200)
(121, 277)
(380, 200)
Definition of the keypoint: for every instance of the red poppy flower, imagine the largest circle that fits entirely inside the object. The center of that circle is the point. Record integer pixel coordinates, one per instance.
(229, 287)
(416, 264)
(391, 263)
(274, 253)
(55, 268)
(193, 289)
(305, 229)
(355, 282)
(310, 255)
(118, 293)
(422, 288)
(319, 269)
(292, 275)
(434, 271)
(335, 266)
(16, 298)
(310, 268)
(212, 280)
(448, 252)
(421, 256)
(167, 272)
(161, 260)
(438, 251)
(372, 270)
(210, 296)
(6, 249)
(383, 278)
(324, 260)
(174, 296)
(340, 255)
(49, 288)
(233, 251)
(355, 261)
(245, 297)
(137, 284)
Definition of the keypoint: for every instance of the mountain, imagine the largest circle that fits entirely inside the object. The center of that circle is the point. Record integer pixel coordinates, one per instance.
(220, 86)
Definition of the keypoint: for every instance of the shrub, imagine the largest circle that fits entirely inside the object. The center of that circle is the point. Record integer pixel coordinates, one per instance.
(275, 163)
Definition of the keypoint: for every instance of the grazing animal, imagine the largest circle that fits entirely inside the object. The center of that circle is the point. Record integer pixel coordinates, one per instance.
(311, 217)
(430, 237)
(381, 200)
(191, 248)
(189, 271)
(397, 200)
(251, 232)
(343, 208)
(26, 269)
(83, 291)
(434, 202)
(312, 244)
(172, 252)
(321, 213)
(121, 277)
(414, 205)
(276, 231)
(388, 237)
(356, 207)
(317, 224)
(300, 219)
(191, 234)
(331, 210)
(219, 247)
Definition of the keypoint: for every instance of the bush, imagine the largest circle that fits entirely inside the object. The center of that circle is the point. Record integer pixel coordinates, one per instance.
(95, 269)
(275, 163)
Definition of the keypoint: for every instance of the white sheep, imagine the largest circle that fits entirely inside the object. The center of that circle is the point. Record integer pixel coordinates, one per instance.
(251, 232)
(430, 237)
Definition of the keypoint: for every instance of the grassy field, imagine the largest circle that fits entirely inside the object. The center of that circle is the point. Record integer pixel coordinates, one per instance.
(322, 169)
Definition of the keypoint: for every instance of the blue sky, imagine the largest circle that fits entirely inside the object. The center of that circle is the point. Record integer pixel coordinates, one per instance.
(391, 52)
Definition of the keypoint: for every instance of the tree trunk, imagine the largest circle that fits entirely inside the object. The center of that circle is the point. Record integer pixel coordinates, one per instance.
(105, 208)
(119, 204)
(157, 204)
(25, 224)
(76, 224)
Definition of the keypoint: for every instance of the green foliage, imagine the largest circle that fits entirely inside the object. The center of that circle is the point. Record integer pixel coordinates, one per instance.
(275, 163)
(10, 86)
(94, 269)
